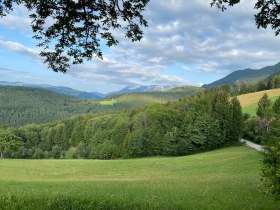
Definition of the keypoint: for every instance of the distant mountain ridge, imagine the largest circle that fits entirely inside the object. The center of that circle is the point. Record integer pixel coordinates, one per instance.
(90, 95)
(246, 75)
(57, 89)
(140, 89)
(24, 105)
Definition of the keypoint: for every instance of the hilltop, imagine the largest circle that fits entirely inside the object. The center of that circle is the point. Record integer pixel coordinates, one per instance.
(148, 98)
(90, 95)
(246, 76)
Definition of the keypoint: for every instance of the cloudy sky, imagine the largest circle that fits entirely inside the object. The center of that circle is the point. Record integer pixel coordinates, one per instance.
(185, 44)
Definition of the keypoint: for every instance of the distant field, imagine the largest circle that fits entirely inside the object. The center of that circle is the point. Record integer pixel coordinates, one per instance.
(251, 98)
(139, 100)
(108, 102)
(249, 102)
(222, 179)
(251, 109)
(133, 100)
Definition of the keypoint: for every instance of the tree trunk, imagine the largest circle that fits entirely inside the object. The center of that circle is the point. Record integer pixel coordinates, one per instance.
(1, 154)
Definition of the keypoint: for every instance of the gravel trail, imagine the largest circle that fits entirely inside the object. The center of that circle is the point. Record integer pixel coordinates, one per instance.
(253, 145)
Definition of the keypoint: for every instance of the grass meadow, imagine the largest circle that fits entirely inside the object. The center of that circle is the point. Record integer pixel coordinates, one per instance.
(252, 98)
(249, 102)
(108, 102)
(228, 178)
(251, 109)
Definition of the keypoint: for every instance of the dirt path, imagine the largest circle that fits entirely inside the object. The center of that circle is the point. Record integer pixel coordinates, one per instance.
(253, 145)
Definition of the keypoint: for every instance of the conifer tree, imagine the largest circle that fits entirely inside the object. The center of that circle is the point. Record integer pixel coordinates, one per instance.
(276, 106)
(264, 107)
(236, 119)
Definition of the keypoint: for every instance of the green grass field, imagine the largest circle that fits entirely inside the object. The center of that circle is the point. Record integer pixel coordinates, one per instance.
(252, 98)
(222, 179)
(249, 102)
(251, 109)
(108, 102)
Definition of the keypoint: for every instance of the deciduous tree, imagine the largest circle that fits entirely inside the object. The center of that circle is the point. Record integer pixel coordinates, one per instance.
(76, 28)
(267, 15)
(71, 31)
(8, 140)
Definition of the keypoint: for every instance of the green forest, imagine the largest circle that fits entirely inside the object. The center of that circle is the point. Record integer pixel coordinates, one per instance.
(24, 105)
(204, 121)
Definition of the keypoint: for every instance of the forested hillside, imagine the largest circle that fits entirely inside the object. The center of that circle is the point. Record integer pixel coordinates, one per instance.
(23, 105)
(133, 100)
(246, 76)
(202, 122)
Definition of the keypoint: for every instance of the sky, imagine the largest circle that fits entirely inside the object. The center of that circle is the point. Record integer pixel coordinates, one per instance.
(185, 44)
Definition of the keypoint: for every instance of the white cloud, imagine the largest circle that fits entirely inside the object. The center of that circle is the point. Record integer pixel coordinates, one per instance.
(197, 37)
(16, 19)
(17, 47)
(124, 72)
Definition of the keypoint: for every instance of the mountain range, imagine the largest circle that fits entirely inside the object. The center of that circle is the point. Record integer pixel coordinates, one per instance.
(90, 95)
(239, 76)
(246, 76)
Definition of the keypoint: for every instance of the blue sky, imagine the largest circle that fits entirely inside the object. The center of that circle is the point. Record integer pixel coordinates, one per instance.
(185, 44)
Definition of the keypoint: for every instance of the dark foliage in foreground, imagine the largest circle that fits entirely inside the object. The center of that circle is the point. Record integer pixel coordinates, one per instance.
(265, 129)
(76, 28)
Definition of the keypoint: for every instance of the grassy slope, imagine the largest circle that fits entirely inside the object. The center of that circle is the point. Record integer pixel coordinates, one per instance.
(251, 109)
(131, 100)
(249, 101)
(221, 179)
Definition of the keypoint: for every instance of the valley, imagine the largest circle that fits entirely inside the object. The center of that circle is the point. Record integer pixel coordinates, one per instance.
(26, 105)
(174, 149)
(139, 105)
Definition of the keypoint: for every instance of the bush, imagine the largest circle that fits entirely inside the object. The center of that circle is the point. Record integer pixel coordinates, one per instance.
(38, 153)
(56, 152)
(271, 170)
(107, 150)
(71, 153)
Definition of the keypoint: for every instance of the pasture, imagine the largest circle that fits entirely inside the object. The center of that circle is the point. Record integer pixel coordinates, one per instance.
(249, 102)
(108, 102)
(251, 109)
(252, 98)
(223, 179)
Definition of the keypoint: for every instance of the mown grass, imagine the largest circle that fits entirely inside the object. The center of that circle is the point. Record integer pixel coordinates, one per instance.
(253, 98)
(139, 99)
(108, 102)
(222, 179)
(251, 109)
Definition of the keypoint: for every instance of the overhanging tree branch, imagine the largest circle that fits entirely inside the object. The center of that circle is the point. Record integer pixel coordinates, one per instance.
(268, 12)
(70, 31)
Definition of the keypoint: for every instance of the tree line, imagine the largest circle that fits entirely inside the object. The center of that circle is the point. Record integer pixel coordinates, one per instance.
(202, 122)
(271, 82)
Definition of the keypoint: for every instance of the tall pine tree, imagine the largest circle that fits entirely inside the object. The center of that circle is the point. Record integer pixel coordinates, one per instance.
(236, 120)
(264, 107)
